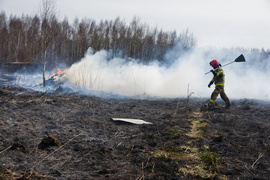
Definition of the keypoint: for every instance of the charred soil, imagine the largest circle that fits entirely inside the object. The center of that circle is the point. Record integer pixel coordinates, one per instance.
(71, 136)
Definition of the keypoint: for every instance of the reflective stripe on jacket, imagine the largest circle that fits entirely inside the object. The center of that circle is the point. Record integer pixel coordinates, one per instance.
(219, 77)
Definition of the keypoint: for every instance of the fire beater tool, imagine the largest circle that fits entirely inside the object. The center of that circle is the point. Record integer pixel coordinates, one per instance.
(241, 58)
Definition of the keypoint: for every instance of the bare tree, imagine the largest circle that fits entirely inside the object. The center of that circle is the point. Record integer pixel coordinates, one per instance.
(3, 37)
(66, 34)
(32, 39)
(16, 38)
(47, 15)
(187, 40)
(45, 40)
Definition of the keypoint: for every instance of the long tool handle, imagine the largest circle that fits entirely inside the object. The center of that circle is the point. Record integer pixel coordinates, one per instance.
(221, 66)
(207, 72)
(228, 64)
(241, 58)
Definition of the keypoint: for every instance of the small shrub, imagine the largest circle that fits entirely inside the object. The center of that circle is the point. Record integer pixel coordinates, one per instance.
(171, 148)
(201, 126)
(174, 134)
(210, 158)
(161, 156)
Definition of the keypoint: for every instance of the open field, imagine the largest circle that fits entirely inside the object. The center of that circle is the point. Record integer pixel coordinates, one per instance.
(71, 136)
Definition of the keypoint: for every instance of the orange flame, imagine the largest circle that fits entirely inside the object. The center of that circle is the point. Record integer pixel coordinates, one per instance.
(59, 71)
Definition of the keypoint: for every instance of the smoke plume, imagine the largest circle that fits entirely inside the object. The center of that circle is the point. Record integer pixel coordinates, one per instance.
(184, 76)
(99, 73)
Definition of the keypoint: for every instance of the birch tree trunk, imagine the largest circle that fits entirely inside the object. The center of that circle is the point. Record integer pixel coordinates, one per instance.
(47, 14)
(44, 68)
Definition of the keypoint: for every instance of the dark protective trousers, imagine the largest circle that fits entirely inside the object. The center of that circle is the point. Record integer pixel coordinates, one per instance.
(219, 90)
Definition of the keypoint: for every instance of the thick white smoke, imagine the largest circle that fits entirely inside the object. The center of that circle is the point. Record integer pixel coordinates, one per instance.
(95, 72)
(185, 75)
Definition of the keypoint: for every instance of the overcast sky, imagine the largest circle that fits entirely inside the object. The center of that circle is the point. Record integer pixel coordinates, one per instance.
(214, 23)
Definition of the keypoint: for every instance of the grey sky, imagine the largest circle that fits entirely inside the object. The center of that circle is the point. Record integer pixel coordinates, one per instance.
(215, 23)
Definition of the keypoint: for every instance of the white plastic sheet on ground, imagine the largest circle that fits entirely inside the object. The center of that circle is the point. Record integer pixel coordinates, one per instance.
(133, 121)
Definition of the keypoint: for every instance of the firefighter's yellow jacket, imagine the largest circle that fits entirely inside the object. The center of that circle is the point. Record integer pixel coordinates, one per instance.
(219, 77)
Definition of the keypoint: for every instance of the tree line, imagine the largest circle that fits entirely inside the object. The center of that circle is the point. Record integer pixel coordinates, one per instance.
(33, 38)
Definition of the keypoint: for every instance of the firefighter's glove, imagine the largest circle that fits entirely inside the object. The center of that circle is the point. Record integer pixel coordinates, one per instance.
(211, 82)
(214, 72)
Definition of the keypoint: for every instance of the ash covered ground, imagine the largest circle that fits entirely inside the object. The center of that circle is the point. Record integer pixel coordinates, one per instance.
(72, 136)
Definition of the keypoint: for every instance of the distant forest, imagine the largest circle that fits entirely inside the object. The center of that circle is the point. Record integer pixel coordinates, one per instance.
(43, 39)
(27, 38)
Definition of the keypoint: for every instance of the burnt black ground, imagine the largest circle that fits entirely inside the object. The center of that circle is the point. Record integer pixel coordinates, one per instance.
(86, 144)
(240, 136)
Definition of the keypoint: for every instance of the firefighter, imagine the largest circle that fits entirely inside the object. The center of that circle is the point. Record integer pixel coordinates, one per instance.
(219, 80)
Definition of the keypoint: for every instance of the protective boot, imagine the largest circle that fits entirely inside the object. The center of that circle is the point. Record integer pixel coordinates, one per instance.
(228, 104)
(211, 106)
(204, 107)
(208, 106)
